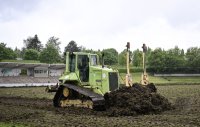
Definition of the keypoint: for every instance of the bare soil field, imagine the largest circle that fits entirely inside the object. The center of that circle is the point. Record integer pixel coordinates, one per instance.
(31, 107)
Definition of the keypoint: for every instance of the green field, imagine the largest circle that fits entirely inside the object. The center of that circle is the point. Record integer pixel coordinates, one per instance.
(21, 61)
(25, 61)
(163, 80)
(29, 92)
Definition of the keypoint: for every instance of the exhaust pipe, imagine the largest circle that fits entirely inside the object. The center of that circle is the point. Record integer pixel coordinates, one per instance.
(103, 60)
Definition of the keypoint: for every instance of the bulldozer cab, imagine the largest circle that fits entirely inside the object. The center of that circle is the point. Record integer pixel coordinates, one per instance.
(80, 62)
(83, 67)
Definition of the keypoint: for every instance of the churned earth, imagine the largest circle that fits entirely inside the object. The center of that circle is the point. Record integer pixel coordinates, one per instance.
(28, 110)
(136, 100)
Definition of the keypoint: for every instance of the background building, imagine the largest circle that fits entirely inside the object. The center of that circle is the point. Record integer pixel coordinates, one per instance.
(26, 74)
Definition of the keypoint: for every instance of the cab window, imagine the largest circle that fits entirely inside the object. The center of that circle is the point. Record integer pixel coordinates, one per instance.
(93, 60)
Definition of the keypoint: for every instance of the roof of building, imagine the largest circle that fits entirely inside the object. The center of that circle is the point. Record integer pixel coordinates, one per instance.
(14, 65)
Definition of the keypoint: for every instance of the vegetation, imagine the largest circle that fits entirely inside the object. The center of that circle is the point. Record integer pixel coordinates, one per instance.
(72, 47)
(110, 56)
(31, 54)
(193, 57)
(163, 80)
(50, 54)
(174, 60)
(137, 58)
(31, 92)
(4, 124)
(33, 43)
(6, 52)
(22, 61)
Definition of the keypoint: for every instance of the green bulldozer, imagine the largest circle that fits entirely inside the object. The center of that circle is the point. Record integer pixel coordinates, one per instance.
(85, 82)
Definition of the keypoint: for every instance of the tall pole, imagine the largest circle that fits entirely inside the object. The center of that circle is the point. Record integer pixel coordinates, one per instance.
(127, 58)
(144, 61)
(144, 80)
(128, 76)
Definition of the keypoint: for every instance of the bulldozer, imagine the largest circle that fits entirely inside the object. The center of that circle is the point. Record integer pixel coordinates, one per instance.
(85, 82)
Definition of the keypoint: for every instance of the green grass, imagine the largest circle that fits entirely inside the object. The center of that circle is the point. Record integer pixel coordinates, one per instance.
(172, 92)
(25, 61)
(2, 124)
(21, 61)
(30, 92)
(163, 80)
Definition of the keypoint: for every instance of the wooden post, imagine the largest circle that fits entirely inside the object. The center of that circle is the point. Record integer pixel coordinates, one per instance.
(128, 76)
(144, 77)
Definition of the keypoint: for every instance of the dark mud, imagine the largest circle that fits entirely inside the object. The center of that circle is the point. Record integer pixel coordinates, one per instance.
(136, 100)
(41, 113)
(46, 104)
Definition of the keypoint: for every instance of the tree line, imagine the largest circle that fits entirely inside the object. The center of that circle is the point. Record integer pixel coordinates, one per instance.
(157, 60)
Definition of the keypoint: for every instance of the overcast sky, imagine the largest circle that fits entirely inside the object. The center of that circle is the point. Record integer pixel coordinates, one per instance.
(101, 24)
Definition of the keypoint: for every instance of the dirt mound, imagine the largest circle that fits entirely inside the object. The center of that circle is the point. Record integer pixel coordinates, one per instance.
(135, 100)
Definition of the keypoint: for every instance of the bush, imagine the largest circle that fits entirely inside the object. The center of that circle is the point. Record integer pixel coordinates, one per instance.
(132, 69)
(178, 70)
(165, 70)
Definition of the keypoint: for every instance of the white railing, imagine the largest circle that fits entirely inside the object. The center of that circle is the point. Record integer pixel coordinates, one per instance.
(176, 75)
(25, 84)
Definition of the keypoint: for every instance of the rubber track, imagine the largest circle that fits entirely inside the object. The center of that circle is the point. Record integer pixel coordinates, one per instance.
(97, 99)
(58, 96)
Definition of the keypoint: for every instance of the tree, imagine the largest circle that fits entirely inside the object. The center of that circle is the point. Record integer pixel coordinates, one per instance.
(110, 56)
(170, 61)
(18, 52)
(54, 41)
(174, 58)
(23, 50)
(33, 43)
(193, 57)
(156, 60)
(31, 54)
(6, 52)
(50, 54)
(72, 47)
(122, 58)
(137, 58)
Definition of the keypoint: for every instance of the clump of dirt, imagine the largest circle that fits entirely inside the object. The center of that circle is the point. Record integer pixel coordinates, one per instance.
(135, 100)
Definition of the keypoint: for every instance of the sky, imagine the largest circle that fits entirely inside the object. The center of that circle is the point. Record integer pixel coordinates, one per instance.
(101, 24)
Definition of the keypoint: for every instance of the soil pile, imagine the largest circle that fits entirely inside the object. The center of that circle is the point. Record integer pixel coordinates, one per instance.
(135, 100)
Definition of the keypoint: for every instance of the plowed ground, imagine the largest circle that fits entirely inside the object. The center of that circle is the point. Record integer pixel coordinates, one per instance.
(29, 111)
